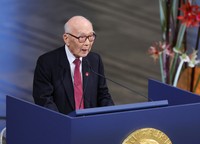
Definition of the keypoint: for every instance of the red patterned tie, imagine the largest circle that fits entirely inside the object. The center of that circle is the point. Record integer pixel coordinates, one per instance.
(78, 88)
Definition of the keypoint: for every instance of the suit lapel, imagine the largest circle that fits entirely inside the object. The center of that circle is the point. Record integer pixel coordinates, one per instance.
(66, 77)
(86, 76)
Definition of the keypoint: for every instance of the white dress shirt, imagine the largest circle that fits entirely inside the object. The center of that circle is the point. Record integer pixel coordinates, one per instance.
(71, 58)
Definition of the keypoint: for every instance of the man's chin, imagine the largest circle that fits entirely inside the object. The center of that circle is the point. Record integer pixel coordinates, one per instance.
(84, 54)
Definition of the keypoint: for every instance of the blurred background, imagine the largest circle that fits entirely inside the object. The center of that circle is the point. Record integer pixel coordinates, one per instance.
(125, 30)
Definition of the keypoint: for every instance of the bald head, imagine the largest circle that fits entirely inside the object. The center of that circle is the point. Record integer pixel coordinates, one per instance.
(76, 23)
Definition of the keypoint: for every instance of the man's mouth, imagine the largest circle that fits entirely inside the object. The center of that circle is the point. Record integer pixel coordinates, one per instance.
(84, 50)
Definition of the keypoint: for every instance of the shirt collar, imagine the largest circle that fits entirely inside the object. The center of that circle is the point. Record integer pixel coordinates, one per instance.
(70, 56)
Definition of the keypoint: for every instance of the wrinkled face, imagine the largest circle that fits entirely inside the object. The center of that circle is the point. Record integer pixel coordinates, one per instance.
(79, 39)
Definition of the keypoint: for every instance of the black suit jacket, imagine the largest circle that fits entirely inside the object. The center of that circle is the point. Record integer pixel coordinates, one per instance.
(53, 86)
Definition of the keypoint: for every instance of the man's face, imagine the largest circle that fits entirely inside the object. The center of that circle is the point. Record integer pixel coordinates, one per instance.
(76, 42)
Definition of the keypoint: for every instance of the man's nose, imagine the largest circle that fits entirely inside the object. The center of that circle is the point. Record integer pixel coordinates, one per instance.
(87, 42)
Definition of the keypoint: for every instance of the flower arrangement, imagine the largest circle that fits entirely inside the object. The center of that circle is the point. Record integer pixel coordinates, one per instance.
(176, 17)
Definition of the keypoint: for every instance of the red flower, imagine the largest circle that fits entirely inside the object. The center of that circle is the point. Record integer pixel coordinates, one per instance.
(191, 14)
(156, 49)
(154, 52)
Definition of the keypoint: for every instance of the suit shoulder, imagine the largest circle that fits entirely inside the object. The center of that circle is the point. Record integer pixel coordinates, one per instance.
(51, 55)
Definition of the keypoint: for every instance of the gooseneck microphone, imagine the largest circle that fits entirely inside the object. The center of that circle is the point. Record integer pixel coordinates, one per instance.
(134, 91)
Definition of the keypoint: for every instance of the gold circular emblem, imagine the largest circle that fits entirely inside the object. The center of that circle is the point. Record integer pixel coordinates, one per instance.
(147, 136)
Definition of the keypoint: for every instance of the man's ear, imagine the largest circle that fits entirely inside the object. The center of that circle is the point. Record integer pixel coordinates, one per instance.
(65, 38)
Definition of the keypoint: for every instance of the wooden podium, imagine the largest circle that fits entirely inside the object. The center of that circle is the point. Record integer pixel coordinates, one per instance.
(173, 111)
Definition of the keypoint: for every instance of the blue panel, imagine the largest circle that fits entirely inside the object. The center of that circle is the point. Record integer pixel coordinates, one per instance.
(28, 123)
(179, 123)
(175, 96)
(119, 108)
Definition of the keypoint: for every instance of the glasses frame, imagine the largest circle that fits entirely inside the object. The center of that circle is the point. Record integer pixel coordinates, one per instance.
(86, 37)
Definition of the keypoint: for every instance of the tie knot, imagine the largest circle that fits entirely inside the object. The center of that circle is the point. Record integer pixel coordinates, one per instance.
(77, 61)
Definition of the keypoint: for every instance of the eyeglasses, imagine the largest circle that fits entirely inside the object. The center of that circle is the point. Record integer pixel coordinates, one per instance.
(82, 39)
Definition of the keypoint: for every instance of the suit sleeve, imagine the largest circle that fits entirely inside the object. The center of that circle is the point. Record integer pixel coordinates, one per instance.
(104, 97)
(42, 86)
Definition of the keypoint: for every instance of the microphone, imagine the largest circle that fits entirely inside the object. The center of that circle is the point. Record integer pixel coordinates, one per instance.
(134, 91)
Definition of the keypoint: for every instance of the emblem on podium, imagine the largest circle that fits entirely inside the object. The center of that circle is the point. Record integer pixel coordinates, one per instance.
(147, 136)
